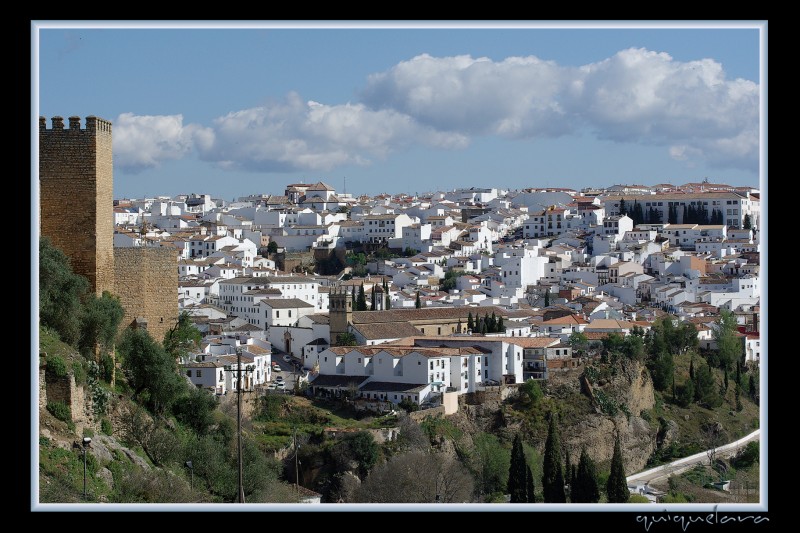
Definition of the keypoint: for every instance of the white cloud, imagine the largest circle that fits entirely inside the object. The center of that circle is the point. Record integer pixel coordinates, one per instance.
(297, 135)
(144, 141)
(636, 96)
(517, 97)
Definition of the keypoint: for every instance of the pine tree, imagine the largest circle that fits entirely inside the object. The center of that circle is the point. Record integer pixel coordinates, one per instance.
(418, 303)
(529, 485)
(470, 322)
(617, 487)
(517, 482)
(553, 473)
(586, 486)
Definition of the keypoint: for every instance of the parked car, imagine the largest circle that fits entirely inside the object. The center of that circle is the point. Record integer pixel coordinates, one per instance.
(280, 385)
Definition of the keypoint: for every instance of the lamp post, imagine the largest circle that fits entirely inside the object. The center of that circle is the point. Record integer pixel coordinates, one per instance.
(86, 442)
(191, 471)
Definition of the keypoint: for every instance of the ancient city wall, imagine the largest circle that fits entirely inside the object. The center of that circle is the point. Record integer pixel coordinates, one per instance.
(147, 285)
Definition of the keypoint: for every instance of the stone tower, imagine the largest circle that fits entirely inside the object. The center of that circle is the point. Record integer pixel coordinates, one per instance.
(340, 312)
(76, 180)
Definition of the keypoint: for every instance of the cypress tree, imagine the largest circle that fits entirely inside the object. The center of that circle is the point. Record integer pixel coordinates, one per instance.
(586, 487)
(691, 368)
(418, 303)
(617, 487)
(361, 300)
(388, 304)
(553, 473)
(747, 224)
(470, 322)
(725, 382)
(500, 326)
(753, 388)
(685, 219)
(547, 298)
(568, 474)
(739, 406)
(529, 485)
(483, 327)
(517, 482)
(493, 324)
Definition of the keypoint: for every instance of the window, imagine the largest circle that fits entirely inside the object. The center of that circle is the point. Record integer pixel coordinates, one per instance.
(277, 314)
(199, 373)
(189, 373)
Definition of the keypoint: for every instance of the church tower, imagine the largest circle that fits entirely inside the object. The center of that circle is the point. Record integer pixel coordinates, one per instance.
(340, 305)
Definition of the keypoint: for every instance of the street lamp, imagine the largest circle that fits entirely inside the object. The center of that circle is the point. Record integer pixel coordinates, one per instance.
(86, 442)
(188, 465)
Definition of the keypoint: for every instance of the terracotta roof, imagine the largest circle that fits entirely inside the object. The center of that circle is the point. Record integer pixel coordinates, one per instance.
(569, 319)
(386, 330)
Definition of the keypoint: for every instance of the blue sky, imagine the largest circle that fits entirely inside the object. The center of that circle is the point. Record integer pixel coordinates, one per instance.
(245, 110)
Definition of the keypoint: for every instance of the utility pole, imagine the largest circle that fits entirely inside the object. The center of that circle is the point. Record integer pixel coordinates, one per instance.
(239, 420)
(296, 469)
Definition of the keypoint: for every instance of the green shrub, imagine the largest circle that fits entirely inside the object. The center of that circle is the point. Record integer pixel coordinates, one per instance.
(748, 456)
(79, 372)
(638, 498)
(56, 367)
(60, 410)
(106, 368)
(105, 427)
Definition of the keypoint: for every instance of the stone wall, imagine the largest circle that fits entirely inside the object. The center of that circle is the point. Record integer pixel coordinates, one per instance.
(146, 281)
(67, 391)
(76, 195)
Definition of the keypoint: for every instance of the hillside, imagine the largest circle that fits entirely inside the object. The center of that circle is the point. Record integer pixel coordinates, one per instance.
(138, 457)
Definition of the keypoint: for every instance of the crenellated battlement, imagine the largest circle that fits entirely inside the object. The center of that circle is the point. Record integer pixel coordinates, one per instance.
(93, 125)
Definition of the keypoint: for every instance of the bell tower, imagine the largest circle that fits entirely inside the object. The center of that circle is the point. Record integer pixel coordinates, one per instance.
(340, 305)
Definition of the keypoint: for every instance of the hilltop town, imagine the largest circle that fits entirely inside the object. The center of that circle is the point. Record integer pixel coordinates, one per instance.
(430, 303)
(288, 269)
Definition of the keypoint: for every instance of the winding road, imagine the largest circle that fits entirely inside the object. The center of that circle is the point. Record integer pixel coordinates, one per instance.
(676, 467)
